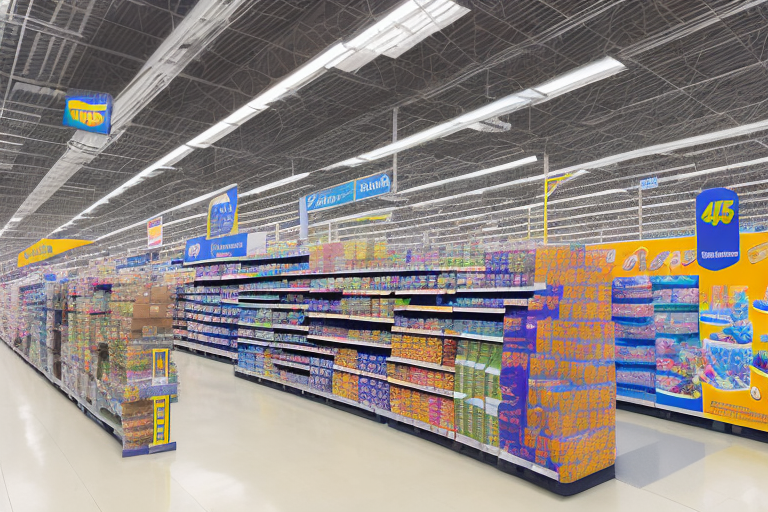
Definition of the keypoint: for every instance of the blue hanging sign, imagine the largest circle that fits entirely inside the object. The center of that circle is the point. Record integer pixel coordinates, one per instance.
(89, 111)
(371, 186)
(717, 228)
(649, 183)
(334, 196)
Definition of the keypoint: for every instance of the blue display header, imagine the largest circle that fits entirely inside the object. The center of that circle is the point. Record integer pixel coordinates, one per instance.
(717, 228)
(89, 111)
(201, 249)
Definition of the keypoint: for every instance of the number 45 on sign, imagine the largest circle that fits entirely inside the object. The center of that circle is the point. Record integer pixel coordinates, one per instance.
(717, 212)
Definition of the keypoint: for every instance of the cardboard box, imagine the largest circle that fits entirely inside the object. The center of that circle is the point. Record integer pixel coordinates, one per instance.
(159, 294)
(141, 310)
(142, 298)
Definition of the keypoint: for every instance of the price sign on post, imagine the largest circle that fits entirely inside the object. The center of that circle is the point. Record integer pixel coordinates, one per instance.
(717, 228)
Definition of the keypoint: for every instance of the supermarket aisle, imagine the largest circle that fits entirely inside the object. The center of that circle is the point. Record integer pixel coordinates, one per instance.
(243, 447)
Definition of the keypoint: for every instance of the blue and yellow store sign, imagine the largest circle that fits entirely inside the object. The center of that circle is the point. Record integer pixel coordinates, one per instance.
(91, 112)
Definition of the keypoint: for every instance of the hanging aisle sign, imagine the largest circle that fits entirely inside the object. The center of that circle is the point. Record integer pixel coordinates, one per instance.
(717, 228)
(222, 214)
(348, 192)
(155, 232)
(89, 111)
(48, 248)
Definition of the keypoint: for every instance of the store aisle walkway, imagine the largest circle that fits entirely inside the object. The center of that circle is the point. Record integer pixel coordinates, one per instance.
(244, 447)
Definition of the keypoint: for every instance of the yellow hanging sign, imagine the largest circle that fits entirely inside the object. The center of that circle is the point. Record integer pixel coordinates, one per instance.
(48, 248)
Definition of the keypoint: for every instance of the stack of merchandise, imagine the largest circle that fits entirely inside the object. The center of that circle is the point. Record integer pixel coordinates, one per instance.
(680, 356)
(635, 338)
(216, 271)
(283, 249)
(346, 385)
(504, 269)
(419, 348)
(321, 374)
(336, 329)
(357, 306)
(451, 325)
(274, 285)
(423, 376)
(417, 405)
(370, 254)
(477, 393)
(273, 269)
(410, 282)
(558, 376)
(373, 392)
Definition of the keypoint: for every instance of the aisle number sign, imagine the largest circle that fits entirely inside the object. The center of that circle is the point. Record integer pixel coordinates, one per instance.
(717, 228)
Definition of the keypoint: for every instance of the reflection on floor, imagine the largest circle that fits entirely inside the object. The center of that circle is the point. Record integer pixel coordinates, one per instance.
(244, 447)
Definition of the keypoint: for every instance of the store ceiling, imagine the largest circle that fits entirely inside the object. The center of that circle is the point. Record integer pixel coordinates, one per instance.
(693, 67)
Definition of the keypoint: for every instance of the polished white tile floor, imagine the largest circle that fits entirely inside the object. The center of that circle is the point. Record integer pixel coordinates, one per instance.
(244, 447)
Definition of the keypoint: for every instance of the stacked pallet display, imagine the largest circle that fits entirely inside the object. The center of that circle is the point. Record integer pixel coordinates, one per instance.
(446, 341)
(558, 376)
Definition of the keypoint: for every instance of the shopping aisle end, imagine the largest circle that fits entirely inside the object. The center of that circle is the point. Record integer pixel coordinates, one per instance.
(252, 448)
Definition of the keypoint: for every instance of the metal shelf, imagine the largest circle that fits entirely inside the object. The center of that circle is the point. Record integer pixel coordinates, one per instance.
(422, 364)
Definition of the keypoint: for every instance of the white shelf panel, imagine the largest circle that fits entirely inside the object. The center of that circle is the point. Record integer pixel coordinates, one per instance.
(359, 318)
(426, 389)
(355, 371)
(422, 364)
(347, 341)
(290, 364)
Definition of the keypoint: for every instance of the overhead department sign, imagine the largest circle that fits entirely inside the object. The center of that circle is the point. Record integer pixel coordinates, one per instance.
(48, 248)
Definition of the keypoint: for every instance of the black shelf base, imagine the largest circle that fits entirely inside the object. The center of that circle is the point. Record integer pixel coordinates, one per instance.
(206, 355)
(695, 421)
(103, 425)
(559, 488)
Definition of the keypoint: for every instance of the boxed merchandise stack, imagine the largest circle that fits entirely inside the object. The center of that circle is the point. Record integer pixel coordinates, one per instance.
(118, 357)
(558, 378)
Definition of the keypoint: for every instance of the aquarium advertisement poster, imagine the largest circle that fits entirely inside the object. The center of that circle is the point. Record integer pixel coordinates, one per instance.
(690, 339)
(222, 214)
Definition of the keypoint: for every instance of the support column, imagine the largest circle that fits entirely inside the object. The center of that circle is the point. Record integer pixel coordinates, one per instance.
(394, 157)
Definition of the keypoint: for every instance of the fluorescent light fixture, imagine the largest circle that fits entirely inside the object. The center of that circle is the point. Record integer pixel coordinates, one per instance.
(242, 115)
(212, 134)
(178, 221)
(398, 31)
(574, 79)
(171, 158)
(667, 147)
(581, 76)
(11, 143)
(503, 167)
(278, 183)
(404, 27)
(16, 219)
